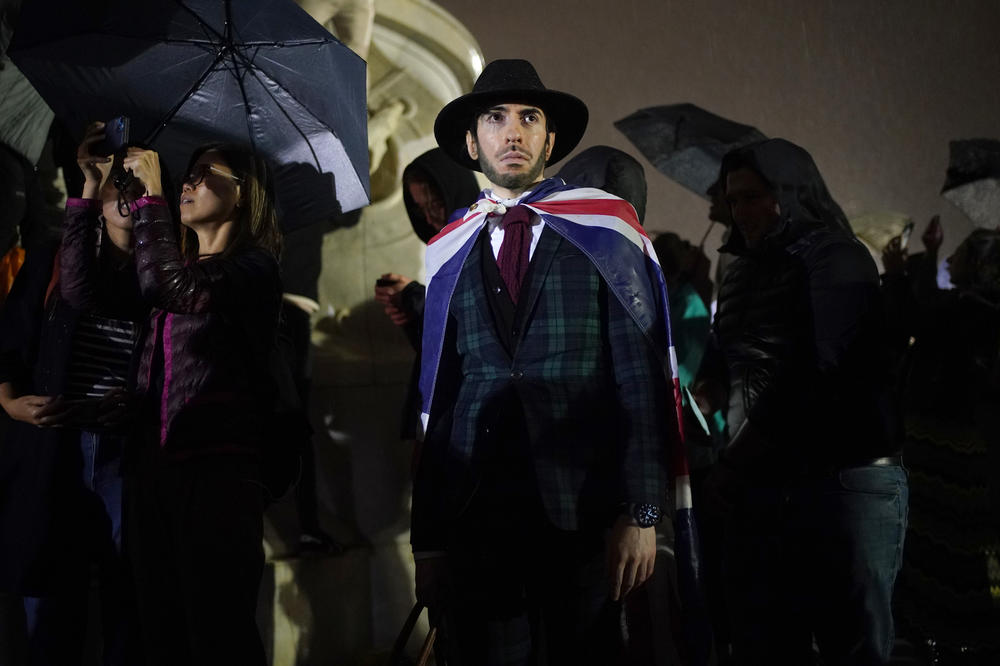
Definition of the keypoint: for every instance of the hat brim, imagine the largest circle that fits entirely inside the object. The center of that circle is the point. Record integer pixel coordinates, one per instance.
(567, 113)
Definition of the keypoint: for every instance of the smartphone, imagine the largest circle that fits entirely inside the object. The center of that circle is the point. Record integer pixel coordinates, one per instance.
(81, 413)
(116, 137)
(384, 282)
(904, 237)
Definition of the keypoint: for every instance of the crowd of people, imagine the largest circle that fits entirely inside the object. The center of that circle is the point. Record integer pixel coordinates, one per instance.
(572, 390)
(540, 460)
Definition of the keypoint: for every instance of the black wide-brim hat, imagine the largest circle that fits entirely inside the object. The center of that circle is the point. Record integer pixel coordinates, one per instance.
(510, 82)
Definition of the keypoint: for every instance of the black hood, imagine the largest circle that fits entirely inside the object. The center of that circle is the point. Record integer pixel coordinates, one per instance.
(611, 170)
(805, 202)
(456, 184)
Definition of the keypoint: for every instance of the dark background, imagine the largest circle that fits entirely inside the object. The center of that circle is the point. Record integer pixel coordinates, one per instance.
(874, 90)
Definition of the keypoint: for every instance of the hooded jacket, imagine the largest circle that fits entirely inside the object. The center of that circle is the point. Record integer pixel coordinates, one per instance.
(611, 170)
(457, 185)
(800, 326)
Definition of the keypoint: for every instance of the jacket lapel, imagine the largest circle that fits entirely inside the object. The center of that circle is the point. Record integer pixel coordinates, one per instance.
(475, 267)
(541, 262)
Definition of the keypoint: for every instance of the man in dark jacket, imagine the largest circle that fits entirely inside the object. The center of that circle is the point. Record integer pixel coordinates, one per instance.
(812, 475)
(545, 403)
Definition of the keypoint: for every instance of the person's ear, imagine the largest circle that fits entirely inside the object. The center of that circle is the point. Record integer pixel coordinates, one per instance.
(549, 144)
(471, 145)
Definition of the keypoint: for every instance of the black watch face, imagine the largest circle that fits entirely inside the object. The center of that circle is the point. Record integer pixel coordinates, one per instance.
(647, 515)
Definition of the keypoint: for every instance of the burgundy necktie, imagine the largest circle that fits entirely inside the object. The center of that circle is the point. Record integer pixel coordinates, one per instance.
(515, 250)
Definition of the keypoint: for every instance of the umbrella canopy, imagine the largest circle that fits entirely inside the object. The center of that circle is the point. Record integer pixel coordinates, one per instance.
(259, 73)
(973, 180)
(685, 142)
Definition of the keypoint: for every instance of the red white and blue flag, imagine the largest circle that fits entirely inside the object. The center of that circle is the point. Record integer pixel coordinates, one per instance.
(606, 229)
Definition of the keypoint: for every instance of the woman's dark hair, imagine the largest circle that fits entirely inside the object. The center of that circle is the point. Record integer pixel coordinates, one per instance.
(256, 218)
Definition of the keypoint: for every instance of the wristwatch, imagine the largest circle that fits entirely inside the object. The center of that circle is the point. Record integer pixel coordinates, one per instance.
(644, 515)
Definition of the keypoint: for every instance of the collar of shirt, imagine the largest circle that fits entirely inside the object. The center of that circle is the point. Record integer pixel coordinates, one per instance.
(495, 231)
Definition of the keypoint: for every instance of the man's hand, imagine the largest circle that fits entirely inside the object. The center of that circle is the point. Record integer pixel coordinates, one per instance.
(933, 235)
(432, 580)
(631, 555)
(397, 316)
(387, 292)
(389, 286)
(894, 257)
(38, 410)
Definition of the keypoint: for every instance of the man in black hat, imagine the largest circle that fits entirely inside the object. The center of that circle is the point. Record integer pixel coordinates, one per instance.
(547, 411)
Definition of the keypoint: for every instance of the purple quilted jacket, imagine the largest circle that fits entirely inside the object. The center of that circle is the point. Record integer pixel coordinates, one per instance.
(204, 362)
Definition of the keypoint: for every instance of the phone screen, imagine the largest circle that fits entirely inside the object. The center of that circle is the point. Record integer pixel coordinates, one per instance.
(116, 136)
(904, 238)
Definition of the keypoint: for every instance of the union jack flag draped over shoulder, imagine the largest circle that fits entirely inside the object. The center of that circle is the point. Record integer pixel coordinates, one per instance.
(606, 229)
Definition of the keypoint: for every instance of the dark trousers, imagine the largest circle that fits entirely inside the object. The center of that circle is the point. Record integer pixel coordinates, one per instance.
(524, 592)
(530, 594)
(57, 623)
(817, 559)
(194, 537)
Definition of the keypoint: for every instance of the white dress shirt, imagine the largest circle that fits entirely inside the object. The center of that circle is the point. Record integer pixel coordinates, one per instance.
(495, 231)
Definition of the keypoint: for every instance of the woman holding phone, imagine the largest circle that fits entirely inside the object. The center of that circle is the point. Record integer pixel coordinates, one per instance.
(194, 498)
(67, 337)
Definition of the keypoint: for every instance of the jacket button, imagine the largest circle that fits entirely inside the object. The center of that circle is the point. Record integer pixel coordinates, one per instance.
(515, 332)
(516, 374)
(496, 290)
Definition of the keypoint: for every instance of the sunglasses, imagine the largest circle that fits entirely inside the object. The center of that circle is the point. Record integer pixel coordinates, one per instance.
(198, 173)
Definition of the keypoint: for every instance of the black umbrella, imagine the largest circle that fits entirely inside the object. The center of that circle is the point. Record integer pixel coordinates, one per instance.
(973, 180)
(685, 142)
(260, 73)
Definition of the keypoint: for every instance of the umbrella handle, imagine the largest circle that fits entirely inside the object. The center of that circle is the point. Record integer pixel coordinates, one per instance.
(428, 648)
(404, 635)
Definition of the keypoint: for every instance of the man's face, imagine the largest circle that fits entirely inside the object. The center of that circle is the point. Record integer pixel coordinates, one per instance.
(753, 205)
(427, 198)
(511, 145)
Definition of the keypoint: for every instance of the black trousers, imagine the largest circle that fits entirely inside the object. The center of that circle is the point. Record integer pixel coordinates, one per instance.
(522, 591)
(193, 534)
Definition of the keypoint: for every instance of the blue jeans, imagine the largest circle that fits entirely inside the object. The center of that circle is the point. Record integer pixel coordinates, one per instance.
(816, 560)
(57, 623)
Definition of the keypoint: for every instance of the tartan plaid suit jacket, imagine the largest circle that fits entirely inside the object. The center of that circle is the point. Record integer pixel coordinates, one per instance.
(595, 399)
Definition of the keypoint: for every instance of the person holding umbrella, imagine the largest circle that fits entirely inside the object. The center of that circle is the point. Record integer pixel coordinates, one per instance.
(194, 497)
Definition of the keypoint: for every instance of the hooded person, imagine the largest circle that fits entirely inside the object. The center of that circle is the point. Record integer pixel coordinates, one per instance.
(436, 191)
(544, 463)
(811, 479)
(609, 169)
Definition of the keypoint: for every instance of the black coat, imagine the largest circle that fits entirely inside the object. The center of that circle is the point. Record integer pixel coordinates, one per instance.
(800, 327)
